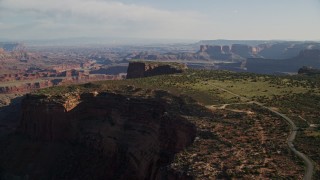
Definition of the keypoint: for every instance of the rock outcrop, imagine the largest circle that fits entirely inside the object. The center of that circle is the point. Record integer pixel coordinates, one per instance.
(215, 52)
(243, 50)
(226, 49)
(220, 52)
(211, 49)
(112, 136)
(145, 69)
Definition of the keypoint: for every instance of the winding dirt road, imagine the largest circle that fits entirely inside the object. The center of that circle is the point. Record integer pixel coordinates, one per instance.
(293, 132)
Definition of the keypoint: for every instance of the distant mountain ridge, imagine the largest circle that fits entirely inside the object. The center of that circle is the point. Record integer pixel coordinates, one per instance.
(236, 52)
(222, 42)
(257, 49)
(268, 58)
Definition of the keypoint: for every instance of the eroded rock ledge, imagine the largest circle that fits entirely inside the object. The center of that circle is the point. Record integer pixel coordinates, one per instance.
(109, 136)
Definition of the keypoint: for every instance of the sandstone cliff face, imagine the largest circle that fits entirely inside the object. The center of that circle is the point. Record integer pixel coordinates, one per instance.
(211, 49)
(114, 136)
(237, 52)
(146, 69)
(243, 50)
(44, 119)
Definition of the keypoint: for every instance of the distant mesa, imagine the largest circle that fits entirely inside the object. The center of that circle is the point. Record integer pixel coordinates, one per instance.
(215, 52)
(285, 50)
(307, 57)
(140, 69)
(260, 49)
(226, 49)
(222, 42)
(236, 51)
(265, 57)
(243, 50)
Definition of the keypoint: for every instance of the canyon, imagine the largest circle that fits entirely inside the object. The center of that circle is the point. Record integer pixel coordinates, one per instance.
(160, 127)
(146, 128)
(118, 130)
(267, 58)
(235, 51)
(23, 71)
(102, 135)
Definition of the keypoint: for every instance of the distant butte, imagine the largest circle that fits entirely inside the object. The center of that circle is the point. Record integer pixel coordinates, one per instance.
(140, 69)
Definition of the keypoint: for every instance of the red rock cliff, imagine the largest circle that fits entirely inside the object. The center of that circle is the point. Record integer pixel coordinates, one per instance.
(117, 136)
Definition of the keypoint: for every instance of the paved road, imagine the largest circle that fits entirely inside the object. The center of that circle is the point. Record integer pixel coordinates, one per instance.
(293, 132)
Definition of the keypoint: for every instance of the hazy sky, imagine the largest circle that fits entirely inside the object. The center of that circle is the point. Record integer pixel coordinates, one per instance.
(161, 19)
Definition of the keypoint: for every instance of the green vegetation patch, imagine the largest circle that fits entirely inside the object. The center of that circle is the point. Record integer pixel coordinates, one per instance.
(296, 96)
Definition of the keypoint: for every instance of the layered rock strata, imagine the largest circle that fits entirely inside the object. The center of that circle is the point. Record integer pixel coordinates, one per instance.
(113, 136)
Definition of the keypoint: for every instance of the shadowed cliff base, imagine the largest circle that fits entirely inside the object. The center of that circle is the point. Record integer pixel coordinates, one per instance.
(9, 113)
(97, 136)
